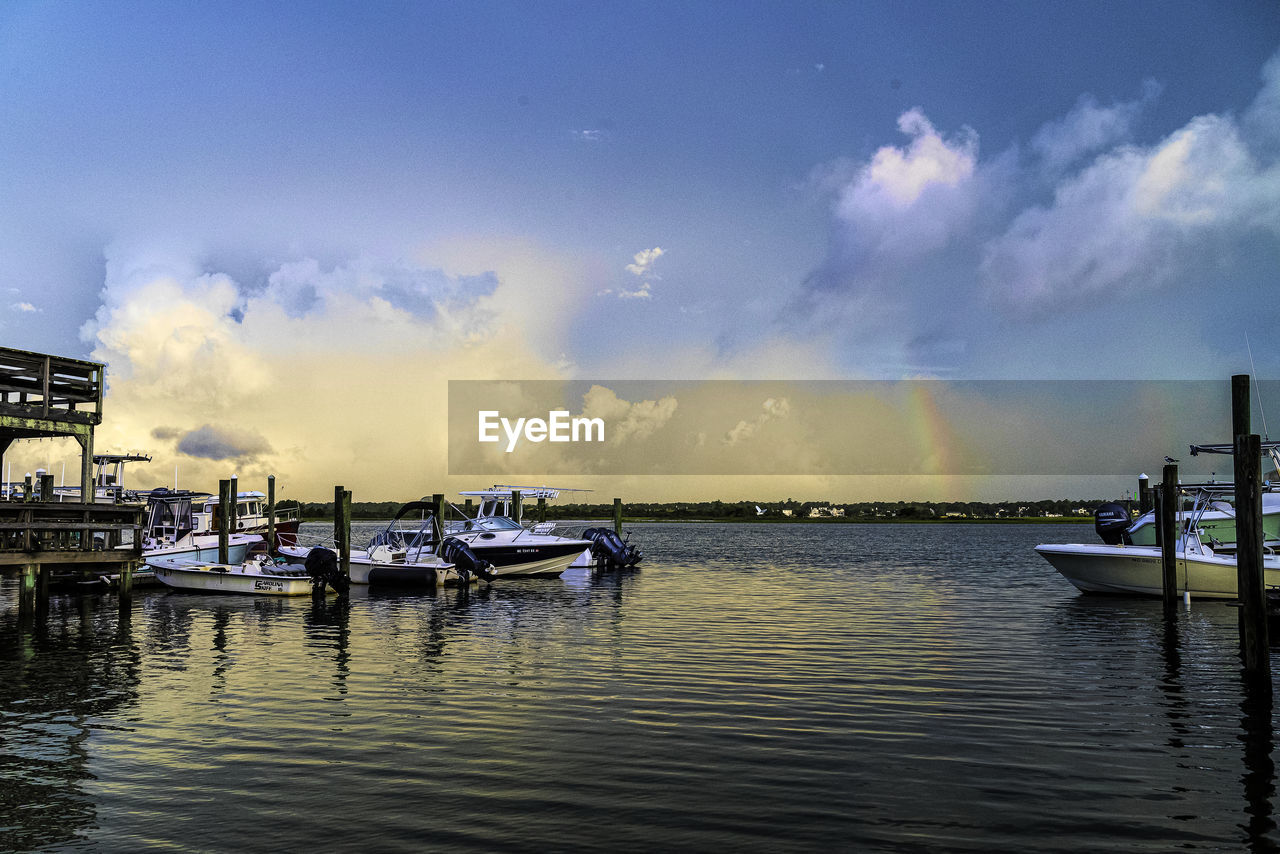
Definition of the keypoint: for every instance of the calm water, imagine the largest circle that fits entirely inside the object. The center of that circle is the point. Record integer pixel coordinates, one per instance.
(753, 687)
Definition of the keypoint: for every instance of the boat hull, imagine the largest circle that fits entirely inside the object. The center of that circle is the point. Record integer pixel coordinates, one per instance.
(541, 560)
(1137, 570)
(228, 578)
(367, 571)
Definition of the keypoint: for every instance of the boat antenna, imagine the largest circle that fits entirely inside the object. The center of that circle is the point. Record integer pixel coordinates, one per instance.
(1257, 388)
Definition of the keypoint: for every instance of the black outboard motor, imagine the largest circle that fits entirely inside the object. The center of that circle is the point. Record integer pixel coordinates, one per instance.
(1111, 521)
(458, 553)
(322, 566)
(608, 545)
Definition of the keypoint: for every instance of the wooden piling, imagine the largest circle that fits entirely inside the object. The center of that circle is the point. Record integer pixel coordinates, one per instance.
(542, 509)
(517, 505)
(271, 513)
(1249, 572)
(1240, 406)
(342, 528)
(617, 515)
(224, 521)
(1169, 537)
(235, 504)
(1144, 495)
(27, 592)
(468, 509)
(27, 492)
(46, 487)
(437, 514)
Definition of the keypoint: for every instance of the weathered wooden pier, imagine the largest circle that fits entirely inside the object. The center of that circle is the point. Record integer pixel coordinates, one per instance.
(43, 540)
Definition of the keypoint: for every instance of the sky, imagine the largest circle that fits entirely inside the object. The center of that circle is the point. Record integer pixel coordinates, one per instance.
(285, 227)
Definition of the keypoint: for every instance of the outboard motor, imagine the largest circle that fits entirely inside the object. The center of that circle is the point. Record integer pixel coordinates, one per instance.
(608, 545)
(458, 553)
(322, 566)
(1111, 521)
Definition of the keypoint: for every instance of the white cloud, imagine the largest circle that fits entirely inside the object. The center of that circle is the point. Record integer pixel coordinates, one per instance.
(626, 420)
(1088, 128)
(23, 307)
(641, 292)
(773, 409)
(903, 203)
(643, 261)
(1133, 218)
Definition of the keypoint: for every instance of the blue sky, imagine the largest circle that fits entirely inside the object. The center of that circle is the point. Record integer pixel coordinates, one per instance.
(884, 190)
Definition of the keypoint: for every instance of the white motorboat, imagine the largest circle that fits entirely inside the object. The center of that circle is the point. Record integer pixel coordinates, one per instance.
(515, 550)
(173, 530)
(258, 575)
(1137, 570)
(200, 515)
(404, 554)
(1115, 566)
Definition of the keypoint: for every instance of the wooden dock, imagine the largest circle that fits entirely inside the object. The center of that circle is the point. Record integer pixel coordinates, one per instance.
(41, 397)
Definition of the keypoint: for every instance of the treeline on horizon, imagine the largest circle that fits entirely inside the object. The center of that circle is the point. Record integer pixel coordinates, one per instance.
(774, 510)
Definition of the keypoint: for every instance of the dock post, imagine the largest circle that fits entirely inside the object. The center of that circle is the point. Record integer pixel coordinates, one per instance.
(617, 515)
(437, 515)
(224, 520)
(42, 590)
(26, 488)
(46, 487)
(468, 510)
(1249, 573)
(517, 505)
(235, 503)
(542, 509)
(342, 528)
(1169, 538)
(1144, 495)
(271, 514)
(124, 602)
(27, 593)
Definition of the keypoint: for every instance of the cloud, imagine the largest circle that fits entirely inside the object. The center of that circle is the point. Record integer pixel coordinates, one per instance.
(23, 307)
(932, 247)
(627, 421)
(1088, 128)
(899, 206)
(774, 409)
(1134, 219)
(343, 386)
(642, 262)
(641, 292)
(223, 443)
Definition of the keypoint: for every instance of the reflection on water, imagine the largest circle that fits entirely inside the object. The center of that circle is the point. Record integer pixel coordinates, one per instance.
(784, 688)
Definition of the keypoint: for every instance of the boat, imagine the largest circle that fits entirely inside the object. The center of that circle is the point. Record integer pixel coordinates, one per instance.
(1118, 566)
(258, 574)
(514, 550)
(173, 530)
(1218, 521)
(405, 554)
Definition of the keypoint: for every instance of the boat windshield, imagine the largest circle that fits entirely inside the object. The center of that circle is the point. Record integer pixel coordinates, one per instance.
(491, 523)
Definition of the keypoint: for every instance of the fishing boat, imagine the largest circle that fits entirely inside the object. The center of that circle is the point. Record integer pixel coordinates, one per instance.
(1218, 521)
(408, 553)
(173, 530)
(257, 575)
(515, 550)
(1117, 566)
